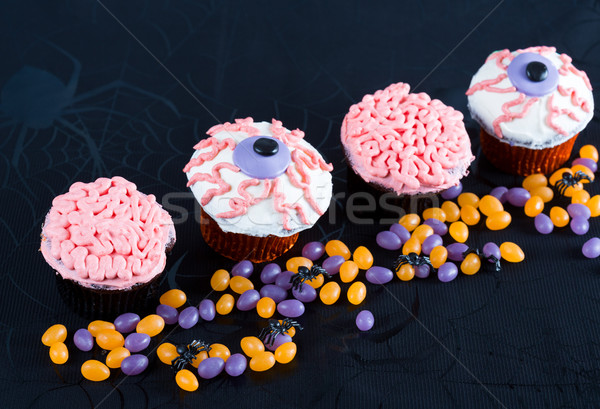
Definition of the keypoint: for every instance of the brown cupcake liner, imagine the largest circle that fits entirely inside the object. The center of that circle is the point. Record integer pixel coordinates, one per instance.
(524, 161)
(240, 247)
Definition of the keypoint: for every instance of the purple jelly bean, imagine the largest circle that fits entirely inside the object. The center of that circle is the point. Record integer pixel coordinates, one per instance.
(244, 268)
(332, 264)
(83, 340)
(136, 342)
(500, 193)
(168, 313)
(452, 192)
(430, 242)
(211, 367)
(279, 340)
(365, 320)
(188, 317)
(388, 240)
(283, 280)
(578, 209)
(439, 227)
(248, 300)
(447, 272)
(236, 365)
(269, 273)
(422, 271)
(543, 224)
(134, 364)
(304, 293)
(456, 250)
(274, 292)
(518, 196)
(400, 231)
(579, 225)
(290, 308)
(313, 250)
(126, 323)
(491, 249)
(587, 162)
(591, 248)
(207, 310)
(379, 275)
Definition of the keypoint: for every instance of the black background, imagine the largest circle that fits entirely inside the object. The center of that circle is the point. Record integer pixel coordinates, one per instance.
(525, 337)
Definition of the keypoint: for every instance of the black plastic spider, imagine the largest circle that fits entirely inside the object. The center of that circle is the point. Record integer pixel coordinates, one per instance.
(569, 180)
(490, 259)
(270, 332)
(413, 259)
(187, 353)
(306, 274)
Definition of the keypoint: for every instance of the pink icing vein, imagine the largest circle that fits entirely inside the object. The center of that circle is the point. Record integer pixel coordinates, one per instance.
(108, 231)
(510, 115)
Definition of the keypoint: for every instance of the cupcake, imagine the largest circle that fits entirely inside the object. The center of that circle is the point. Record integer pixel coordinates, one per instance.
(407, 145)
(107, 243)
(259, 185)
(531, 105)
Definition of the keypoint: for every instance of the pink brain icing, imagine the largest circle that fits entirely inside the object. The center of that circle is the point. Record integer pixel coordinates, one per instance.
(107, 234)
(406, 142)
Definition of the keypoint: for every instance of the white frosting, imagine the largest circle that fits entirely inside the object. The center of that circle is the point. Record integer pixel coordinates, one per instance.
(261, 219)
(531, 131)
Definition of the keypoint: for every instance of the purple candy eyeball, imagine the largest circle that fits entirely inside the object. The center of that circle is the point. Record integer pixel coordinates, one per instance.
(533, 74)
(262, 157)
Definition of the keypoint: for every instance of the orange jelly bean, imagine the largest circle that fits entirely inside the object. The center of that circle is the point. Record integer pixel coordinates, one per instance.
(225, 304)
(295, 262)
(220, 280)
(59, 354)
(406, 272)
(199, 358)
(559, 216)
(116, 356)
(220, 351)
(174, 298)
(152, 325)
(166, 352)
(95, 327)
(422, 232)
(412, 245)
(363, 258)
(498, 221)
(511, 252)
(438, 256)
(110, 339)
(330, 293)
(589, 152)
(285, 353)
(594, 205)
(534, 206)
(459, 231)
(546, 193)
(585, 170)
(489, 205)
(581, 196)
(348, 271)
(316, 282)
(471, 264)
(469, 215)
(240, 285)
(357, 292)
(468, 198)
(410, 221)
(262, 361)
(434, 213)
(291, 332)
(265, 307)
(534, 181)
(451, 210)
(95, 370)
(337, 248)
(252, 346)
(557, 175)
(54, 334)
(186, 380)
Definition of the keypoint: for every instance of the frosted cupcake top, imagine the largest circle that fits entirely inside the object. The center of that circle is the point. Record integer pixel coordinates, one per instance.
(259, 178)
(534, 98)
(106, 234)
(406, 142)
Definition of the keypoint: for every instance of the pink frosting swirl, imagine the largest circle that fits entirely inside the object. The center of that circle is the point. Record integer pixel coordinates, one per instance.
(406, 142)
(107, 233)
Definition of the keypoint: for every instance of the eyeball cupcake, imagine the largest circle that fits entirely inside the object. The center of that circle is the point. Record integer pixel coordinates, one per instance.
(259, 185)
(107, 243)
(531, 105)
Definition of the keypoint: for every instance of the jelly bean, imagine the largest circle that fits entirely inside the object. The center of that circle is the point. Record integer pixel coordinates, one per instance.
(305, 293)
(278, 341)
(284, 280)
(456, 250)
(434, 213)
(248, 300)
(589, 152)
(498, 221)
(363, 258)
(207, 310)
(438, 256)
(337, 248)
(59, 354)
(579, 210)
(422, 271)
(469, 215)
(511, 252)
(244, 268)
(365, 320)
(588, 163)
(348, 271)
(406, 272)
(585, 170)
(285, 353)
(543, 224)
(400, 231)
(188, 317)
(291, 332)
(468, 198)
(491, 250)
(412, 245)
(137, 342)
(265, 307)
(262, 362)
(313, 250)
(422, 232)
(240, 285)
(410, 221)
(186, 380)
(168, 313)
(270, 272)
(220, 280)
(295, 262)
(110, 339)
(357, 292)
(54, 334)
(125, 323)
(252, 346)
(94, 370)
(580, 196)
(559, 216)
(430, 242)
(116, 356)
(236, 365)
(225, 304)
(274, 292)
(489, 205)
(219, 351)
(290, 308)
(534, 206)
(579, 225)
(471, 264)
(332, 264)
(95, 327)
(379, 275)
(546, 193)
(166, 352)
(558, 175)
(330, 293)
(211, 367)
(452, 192)
(174, 298)
(517, 196)
(499, 193)
(388, 240)
(535, 180)
(594, 205)
(316, 282)
(459, 231)
(134, 364)
(83, 340)
(438, 227)
(152, 325)
(591, 248)
(447, 272)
